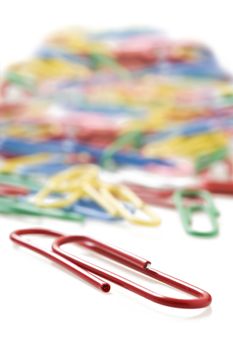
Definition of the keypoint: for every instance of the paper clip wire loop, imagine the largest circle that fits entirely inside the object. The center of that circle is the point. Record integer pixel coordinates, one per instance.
(94, 274)
(186, 211)
(80, 182)
(11, 165)
(16, 237)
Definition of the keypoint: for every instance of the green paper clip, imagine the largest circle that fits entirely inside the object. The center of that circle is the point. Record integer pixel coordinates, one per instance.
(19, 207)
(20, 80)
(206, 160)
(131, 138)
(186, 211)
(28, 182)
(98, 60)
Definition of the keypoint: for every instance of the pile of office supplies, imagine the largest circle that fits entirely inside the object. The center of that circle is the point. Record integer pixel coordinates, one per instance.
(91, 103)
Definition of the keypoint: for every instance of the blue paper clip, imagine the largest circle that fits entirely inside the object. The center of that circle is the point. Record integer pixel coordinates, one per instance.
(22, 147)
(207, 68)
(58, 53)
(123, 34)
(105, 110)
(92, 210)
(190, 129)
(45, 169)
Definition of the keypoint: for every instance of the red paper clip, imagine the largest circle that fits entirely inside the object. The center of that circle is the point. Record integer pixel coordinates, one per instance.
(10, 108)
(9, 190)
(153, 196)
(97, 275)
(159, 197)
(219, 186)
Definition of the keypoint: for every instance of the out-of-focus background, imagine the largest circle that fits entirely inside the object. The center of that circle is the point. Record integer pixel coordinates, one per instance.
(43, 307)
(25, 23)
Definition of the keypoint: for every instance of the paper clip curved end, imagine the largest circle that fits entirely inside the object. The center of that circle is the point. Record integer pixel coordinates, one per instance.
(200, 298)
(17, 237)
(201, 201)
(153, 220)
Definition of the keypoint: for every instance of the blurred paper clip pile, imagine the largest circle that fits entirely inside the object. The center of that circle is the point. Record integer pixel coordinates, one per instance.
(116, 100)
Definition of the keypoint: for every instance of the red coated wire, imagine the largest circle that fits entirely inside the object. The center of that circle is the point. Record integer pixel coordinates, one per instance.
(142, 265)
(92, 273)
(9, 190)
(16, 237)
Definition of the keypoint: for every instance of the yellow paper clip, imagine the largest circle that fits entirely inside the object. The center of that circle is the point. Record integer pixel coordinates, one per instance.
(69, 183)
(75, 40)
(83, 181)
(114, 192)
(29, 131)
(184, 146)
(50, 68)
(11, 165)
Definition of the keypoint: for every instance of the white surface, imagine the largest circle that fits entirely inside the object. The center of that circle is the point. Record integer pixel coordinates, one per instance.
(44, 307)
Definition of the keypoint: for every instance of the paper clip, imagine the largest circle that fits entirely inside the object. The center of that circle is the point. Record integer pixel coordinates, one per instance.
(82, 208)
(204, 148)
(20, 207)
(9, 109)
(131, 138)
(219, 186)
(92, 210)
(25, 147)
(11, 165)
(186, 211)
(159, 197)
(96, 275)
(39, 69)
(9, 190)
(83, 181)
(206, 160)
(22, 181)
(18, 185)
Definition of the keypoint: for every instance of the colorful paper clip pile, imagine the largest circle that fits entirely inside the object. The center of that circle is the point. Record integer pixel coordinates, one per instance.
(113, 100)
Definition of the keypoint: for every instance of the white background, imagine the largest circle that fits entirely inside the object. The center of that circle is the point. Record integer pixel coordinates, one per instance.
(44, 307)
